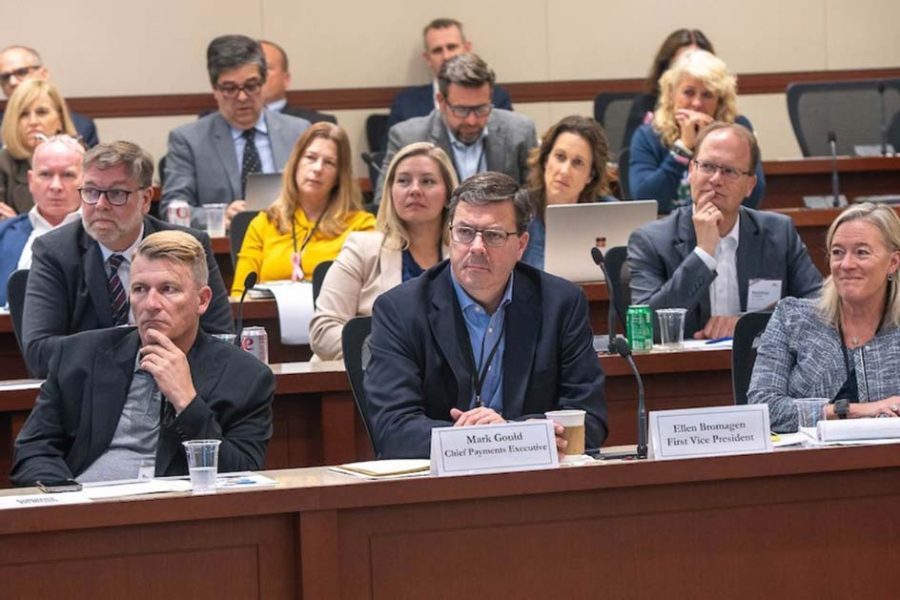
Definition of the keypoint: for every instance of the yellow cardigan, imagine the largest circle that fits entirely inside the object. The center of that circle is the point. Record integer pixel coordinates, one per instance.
(268, 251)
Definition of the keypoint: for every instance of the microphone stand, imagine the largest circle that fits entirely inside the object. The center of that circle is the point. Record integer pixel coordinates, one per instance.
(249, 282)
(597, 255)
(884, 126)
(835, 189)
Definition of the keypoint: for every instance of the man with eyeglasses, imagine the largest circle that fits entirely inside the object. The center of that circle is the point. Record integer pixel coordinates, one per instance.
(716, 258)
(20, 63)
(81, 271)
(210, 159)
(475, 134)
(481, 338)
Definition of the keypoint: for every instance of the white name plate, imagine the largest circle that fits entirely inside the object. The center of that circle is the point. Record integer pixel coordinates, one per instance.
(713, 431)
(514, 446)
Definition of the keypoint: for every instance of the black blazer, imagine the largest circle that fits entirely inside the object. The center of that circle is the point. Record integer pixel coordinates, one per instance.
(67, 290)
(421, 357)
(78, 409)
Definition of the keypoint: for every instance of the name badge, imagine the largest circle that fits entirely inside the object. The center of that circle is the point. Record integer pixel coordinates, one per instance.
(762, 294)
(713, 431)
(514, 446)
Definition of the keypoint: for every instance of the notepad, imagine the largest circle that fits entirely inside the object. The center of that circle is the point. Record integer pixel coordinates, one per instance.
(385, 469)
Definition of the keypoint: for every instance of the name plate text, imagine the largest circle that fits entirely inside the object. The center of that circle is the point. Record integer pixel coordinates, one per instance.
(514, 446)
(710, 431)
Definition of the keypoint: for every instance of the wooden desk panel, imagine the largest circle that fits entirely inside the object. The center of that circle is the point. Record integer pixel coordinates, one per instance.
(736, 527)
(787, 181)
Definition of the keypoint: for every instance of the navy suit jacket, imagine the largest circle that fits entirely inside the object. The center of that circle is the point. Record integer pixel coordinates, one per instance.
(67, 291)
(78, 409)
(418, 101)
(13, 235)
(421, 357)
(667, 273)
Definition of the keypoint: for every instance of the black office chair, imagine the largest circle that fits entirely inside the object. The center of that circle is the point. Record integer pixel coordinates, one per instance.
(620, 294)
(15, 295)
(238, 230)
(318, 277)
(624, 186)
(373, 161)
(376, 131)
(611, 110)
(851, 109)
(743, 351)
(355, 344)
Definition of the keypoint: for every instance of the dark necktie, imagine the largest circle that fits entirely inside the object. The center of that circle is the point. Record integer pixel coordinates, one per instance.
(250, 163)
(118, 299)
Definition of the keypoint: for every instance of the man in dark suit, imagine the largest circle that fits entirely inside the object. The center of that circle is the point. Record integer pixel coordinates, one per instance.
(482, 338)
(476, 136)
(444, 39)
(18, 63)
(716, 258)
(209, 160)
(118, 403)
(278, 79)
(72, 285)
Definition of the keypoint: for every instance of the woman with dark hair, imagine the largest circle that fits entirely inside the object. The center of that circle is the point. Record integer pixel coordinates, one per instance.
(319, 205)
(672, 47)
(568, 167)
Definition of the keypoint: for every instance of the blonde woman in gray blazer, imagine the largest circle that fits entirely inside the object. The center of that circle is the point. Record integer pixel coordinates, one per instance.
(411, 237)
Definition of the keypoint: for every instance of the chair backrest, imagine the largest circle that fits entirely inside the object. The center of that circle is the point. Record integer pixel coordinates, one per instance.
(15, 293)
(624, 186)
(376, 131)
(851, 109)
(374, 161)
(355, 343)
(743, 351)
(611, 110)
(620, 293)
(318, 277)
(239, 225)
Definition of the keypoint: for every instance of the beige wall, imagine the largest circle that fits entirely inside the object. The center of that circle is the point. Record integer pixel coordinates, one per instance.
(102, 47)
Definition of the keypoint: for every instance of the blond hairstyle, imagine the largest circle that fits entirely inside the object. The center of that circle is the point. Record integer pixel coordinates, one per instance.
(886, 221)
(177, 246)
(25, 94)
(396, 236)
(709, 69)
(345, 197)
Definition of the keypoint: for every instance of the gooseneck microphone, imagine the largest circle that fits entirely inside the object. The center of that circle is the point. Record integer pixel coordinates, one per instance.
(835, 188)
(597, 255)
(884, 124)
(249, 282)
(624, 350)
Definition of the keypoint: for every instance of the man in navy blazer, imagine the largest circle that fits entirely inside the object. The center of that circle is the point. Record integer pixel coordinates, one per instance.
(482, 338)
(208, 160)
(119, 402)
(444, 38)
(69, 285)
(705, 257)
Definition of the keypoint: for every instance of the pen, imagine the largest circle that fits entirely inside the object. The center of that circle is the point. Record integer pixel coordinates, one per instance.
(717, 340)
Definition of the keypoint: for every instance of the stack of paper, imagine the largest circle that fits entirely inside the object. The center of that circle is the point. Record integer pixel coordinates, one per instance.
(858, 430)
(385, 469)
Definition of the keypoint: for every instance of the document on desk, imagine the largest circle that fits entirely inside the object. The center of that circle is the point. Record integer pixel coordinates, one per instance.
(295, 309)
(42, 499)
(386, 469)
(134, 487)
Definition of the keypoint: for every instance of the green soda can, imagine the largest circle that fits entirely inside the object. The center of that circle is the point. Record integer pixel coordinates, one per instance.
(639, 322)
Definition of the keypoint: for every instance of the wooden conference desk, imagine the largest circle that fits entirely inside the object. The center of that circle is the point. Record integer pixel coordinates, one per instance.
(316, 421)
(787, 181)
(748, 526)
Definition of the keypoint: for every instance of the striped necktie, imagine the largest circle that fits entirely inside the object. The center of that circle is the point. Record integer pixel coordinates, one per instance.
(118, 299)
(250, 162)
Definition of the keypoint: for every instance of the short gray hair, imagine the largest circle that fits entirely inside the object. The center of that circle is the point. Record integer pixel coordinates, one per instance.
(492, 188)
(228, 52)
(467, 70)
(137, 161)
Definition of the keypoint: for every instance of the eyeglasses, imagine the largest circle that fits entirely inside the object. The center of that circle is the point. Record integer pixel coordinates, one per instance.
(114, 196)
(20, 73)
(463, 234)
(230, 90)
(482, 110)
(709, 169)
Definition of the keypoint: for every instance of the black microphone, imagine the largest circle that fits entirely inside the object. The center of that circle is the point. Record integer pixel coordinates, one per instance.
(624, 350)
(835, 189)
(611, 317)
(884, 126)
(249, 282)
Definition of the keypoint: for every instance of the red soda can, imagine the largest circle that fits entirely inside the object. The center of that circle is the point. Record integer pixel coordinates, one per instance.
(179, 213)
(255, 340)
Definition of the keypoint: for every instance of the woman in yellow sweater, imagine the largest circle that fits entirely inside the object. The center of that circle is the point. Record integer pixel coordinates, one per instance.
(319, 205)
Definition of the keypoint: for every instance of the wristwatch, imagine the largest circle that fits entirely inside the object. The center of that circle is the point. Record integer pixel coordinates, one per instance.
(842, 408)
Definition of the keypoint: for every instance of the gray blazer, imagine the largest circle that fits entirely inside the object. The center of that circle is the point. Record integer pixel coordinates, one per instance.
(510, 137)
(201, 166)
(666, 272)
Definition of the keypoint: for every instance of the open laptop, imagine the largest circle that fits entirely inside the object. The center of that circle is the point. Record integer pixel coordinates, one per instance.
(262, 190)
(573, 229)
